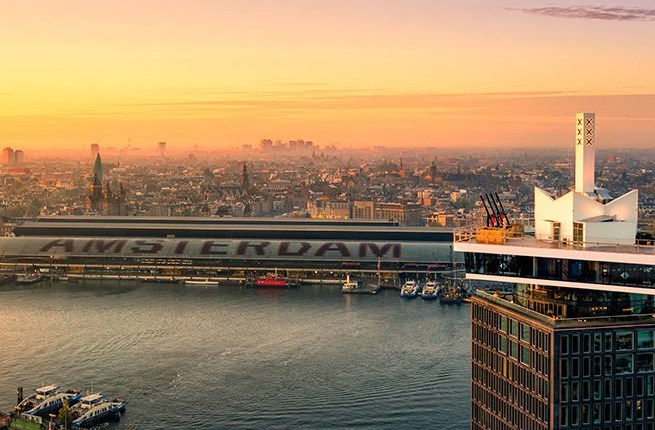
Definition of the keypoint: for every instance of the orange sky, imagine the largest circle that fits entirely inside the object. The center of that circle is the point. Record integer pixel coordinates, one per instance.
(221, 73)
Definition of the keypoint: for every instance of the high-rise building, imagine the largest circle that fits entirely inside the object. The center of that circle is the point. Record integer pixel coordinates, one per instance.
(162, 148)
(19, 156)
(95, 150)
(573, 347)
(8, 156)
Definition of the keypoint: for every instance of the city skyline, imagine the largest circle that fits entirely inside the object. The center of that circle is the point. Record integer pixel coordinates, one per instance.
(219, 74)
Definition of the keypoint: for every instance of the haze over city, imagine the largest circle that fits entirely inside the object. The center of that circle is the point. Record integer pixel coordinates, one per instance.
(217, 75)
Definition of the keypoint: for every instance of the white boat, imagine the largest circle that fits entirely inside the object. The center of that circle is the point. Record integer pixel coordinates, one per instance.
(409, 290)
(350, 285)
(46, 400)
(430, 290)
(28, 278)
(94, 409)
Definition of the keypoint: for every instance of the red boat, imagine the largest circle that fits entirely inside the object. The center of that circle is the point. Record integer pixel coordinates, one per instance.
(273, 280)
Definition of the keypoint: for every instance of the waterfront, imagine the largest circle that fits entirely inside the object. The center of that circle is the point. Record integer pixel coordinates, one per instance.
(238, 358)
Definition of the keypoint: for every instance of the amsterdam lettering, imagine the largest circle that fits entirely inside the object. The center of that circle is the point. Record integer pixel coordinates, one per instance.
(235, 248)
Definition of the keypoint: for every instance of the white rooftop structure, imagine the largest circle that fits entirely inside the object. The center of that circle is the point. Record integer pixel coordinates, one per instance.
(588, 215)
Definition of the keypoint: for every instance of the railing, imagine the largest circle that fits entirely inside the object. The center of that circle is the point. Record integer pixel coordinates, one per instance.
(639, 246)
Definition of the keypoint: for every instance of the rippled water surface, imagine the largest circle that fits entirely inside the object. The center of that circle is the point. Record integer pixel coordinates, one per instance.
(238, 358)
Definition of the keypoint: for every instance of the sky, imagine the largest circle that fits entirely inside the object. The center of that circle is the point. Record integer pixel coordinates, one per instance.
(217, 74)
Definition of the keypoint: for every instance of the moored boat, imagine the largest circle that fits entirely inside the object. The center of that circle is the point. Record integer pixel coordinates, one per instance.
(273, 280)
(95, 409)
(452, 295)
(349, 285)
(28, 278)
(430, 290)
(46, 400)
(409, 290)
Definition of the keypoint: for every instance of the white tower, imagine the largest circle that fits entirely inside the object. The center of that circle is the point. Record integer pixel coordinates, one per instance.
(585, 152)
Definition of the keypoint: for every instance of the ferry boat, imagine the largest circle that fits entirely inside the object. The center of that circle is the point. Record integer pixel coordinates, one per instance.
(28, 278)
(94, 409)
(273, 280)
(46, 400)
(409, 290)
(430, 290)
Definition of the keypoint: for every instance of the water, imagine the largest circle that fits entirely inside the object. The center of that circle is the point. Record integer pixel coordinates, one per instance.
(238, 358)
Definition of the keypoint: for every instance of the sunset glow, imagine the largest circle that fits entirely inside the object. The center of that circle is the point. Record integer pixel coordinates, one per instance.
(219, 74)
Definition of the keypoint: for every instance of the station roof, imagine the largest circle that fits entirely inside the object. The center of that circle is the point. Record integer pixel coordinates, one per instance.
(240, 231)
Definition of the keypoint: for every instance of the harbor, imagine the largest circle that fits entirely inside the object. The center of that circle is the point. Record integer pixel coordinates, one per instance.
(279, 358)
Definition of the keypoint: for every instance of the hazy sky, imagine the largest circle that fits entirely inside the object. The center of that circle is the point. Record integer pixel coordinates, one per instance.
(221, 73)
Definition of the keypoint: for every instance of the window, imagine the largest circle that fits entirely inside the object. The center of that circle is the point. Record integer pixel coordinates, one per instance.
(578, 233)
(645, 362)
(624, 340)
(564, 344)
(598, 342)
(644, 339)
(575, 344)
(556, 230)
(623, 364)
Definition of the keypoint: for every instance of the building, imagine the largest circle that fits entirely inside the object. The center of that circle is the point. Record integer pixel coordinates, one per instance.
(138, 247)
(404, 214)
(162, 148)
(19, 156)
(8, 156)
(573, 347)
(95, 150)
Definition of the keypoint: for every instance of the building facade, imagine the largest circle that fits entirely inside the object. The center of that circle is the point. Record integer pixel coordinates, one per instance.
(572, 347)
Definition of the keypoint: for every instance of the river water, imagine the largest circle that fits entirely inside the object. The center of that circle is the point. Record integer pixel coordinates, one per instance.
(231, 357)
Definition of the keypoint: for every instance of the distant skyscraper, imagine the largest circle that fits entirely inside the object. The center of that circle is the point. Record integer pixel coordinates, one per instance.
(8, 156)
(95, 150)
(162, 148)
(266, 144)
(19, 156)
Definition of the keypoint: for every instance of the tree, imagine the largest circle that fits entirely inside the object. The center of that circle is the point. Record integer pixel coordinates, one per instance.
(65, 416)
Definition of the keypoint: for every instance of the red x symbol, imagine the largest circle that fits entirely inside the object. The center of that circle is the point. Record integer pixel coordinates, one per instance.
(580, 121)
(579, 142)
(590, 121)
(589, 131)
(579, 131)
(590, 142)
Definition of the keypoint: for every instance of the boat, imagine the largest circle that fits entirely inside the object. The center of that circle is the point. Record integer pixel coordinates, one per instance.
(28, 278)
(430, 290)
(451, 296)
(409, 290)
(273, 280)
(95, 409)
(202, 282)
(46, 400)
(349, 285)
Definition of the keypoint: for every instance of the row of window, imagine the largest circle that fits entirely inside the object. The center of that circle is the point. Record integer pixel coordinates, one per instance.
(606, 389)
(560, 269)
(607, 412)
(620, 340)
(619, 364)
